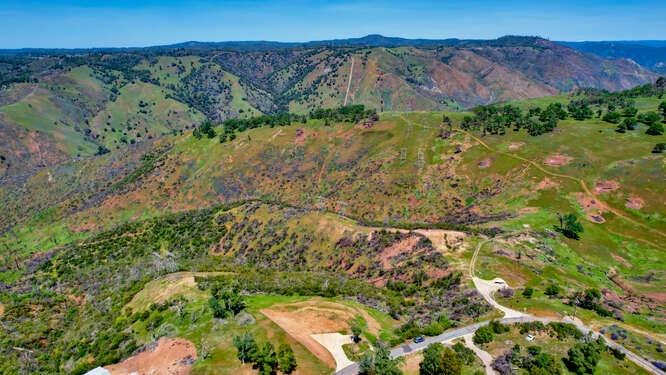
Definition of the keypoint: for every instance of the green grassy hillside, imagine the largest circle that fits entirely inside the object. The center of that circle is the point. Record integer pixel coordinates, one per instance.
(307, 202)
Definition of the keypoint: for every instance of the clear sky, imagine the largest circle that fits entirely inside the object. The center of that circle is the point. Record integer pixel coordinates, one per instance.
(84, 23)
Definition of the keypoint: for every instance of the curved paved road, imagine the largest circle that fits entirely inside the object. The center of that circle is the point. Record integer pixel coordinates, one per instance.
(510, 316)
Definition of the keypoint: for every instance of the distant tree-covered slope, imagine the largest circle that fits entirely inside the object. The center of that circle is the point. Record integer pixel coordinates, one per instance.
(56, 105)
(650, 54)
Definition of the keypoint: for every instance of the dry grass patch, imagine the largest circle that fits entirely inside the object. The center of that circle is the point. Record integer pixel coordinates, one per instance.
(302, 319)
(166, 356)
(165, 288)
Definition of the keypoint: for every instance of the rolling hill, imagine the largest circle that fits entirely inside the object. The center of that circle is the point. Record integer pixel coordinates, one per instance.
(382, 213)
(60, 104)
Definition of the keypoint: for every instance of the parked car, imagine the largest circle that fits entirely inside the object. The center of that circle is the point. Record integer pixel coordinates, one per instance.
(419, 339)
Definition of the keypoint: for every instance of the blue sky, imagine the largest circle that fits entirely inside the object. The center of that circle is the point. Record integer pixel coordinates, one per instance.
(82, 23)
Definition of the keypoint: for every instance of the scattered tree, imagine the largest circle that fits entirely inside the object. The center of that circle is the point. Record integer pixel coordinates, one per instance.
(570, 227)
(266, 359)
(356, 328)
(528, 292)
(612, 117)
(583, 357)
(655, 129)
(286, 359)
(438, 360)
(379, 362)
(246, 347)
(552, 290)
(662, 109)
(659, 148)
(484, 335)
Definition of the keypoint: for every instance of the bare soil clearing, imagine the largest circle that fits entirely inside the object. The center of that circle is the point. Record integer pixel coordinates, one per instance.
(168, 356)
(300, 137)
(594, 209)
(485, 163)
(606, 186)
(411, 365)
(634, 202)
(514, 146)
(303, 319)
(402, 247)
(557, 160)
(546, 184)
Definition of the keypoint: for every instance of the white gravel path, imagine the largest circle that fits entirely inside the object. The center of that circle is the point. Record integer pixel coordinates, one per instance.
(485, 357)
(333, 343)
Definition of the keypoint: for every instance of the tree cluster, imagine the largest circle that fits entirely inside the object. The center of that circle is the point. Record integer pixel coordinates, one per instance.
(583, 357)
(263, 357)
(225, 302)
(496, 120)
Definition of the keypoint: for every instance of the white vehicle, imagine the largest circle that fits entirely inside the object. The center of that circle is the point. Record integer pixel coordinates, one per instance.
(529, 338)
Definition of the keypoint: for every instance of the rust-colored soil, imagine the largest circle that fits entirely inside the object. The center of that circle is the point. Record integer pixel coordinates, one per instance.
(516, 146)
(169, 356)
(634, 202)
(546, 183)
(405, 246)
(301, 319)
(593, 208)
(485, 163)
(411, 364)
(606, 186)
(657, 296)
(557, 160)
(301, 137)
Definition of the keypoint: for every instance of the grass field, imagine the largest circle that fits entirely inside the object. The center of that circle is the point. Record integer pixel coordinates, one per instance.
(396, 171)
(195, 323)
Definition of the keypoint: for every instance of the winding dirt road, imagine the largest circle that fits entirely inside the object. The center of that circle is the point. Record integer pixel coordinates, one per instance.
(351, 71)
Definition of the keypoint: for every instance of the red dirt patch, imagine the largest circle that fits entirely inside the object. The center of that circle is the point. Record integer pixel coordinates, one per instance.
(516, 146)
(621, 260)
(401, 247)
(634, 202)
(606, 186)
(485, 163)
(301, 137)
(557, 160)
(301, 319)
(593, 208)
(657, 296)
(546, 184)
(167, 356)
(85, 227)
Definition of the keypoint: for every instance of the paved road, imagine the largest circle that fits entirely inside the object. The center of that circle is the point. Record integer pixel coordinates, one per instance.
(413, 347)
(509, 318)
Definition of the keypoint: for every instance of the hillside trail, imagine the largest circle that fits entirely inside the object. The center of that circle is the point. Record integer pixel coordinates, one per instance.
(580, 181)
(351, 71)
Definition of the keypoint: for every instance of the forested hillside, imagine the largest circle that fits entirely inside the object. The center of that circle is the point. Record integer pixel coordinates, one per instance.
(57, 105)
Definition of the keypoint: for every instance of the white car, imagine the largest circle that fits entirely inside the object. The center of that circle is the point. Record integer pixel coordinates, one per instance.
(529, 338)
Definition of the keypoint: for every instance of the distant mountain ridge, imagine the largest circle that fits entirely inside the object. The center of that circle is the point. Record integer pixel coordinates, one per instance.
(70, 103)
(648, 53)
(372, 40)
(651, 54)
